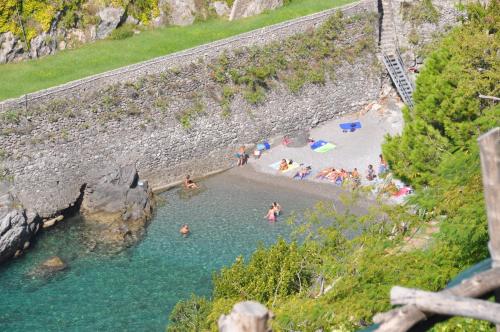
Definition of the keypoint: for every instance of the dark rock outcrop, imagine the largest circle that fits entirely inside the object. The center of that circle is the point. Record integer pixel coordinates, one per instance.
(118, 207)
(17, 225)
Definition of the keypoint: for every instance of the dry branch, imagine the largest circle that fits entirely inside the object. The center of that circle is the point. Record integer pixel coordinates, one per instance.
(402, 319)
(489, 145)
(445, 304)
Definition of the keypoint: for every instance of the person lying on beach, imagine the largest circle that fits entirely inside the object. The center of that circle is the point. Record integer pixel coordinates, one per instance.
(242, 156)
(184, 230)
(286, 140)
(333, 175)
(271, 216)
(283, 165)
(324, 172)
(370, 173)
(303, 172)
(277, 209)
(189, 184)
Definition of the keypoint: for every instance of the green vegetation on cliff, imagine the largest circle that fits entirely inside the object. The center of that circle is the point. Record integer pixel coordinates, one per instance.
(437, 153)
(90, 59)
(37, 16)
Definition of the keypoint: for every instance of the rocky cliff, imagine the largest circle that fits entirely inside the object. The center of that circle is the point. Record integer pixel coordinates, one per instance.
(17, 225)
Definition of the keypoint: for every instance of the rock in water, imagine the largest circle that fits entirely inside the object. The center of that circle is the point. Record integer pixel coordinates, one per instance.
(54, 264)
(118, 207)
(17, 225)
(48, 268)
(110, 19)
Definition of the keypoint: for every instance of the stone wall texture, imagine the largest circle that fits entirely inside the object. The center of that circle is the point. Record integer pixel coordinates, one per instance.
(74, 133)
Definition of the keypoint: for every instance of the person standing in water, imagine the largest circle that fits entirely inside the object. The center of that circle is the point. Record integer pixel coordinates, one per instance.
(271, 216)
(277, 209)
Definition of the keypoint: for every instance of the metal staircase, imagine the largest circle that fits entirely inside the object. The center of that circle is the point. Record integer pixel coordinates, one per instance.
(391, 56)
(396, 69)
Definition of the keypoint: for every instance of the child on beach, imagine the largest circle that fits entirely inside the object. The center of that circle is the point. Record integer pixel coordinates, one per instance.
(370, 173)
(356, 178)
(271, 216)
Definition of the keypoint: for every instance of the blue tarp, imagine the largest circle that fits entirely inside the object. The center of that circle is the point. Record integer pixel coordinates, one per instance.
(350, 125)
(263, 146)
(318, 144)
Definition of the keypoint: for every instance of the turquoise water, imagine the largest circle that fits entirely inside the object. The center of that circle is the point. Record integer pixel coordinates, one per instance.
(136, 289)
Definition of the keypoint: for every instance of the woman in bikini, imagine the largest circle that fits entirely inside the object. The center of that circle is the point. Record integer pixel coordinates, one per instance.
(271, 216)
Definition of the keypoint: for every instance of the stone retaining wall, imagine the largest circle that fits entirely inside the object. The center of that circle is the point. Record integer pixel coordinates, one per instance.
(72, 134)
(130, 73)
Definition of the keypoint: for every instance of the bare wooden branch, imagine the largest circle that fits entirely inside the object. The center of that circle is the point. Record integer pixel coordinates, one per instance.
(489, 144)
(445, 304)
(402, 319)
(489, 97)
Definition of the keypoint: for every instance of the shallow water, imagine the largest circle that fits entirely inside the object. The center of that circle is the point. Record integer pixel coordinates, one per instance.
(136, 289)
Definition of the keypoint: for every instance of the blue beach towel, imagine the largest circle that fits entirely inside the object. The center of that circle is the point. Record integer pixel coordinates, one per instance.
(263, 146)
(322, 146)
(350, 126)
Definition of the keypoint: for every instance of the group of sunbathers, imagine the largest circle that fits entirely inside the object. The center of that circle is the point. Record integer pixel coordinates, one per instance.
(339, 175)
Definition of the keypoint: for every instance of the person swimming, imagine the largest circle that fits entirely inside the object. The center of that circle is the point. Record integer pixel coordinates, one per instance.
(271, 216)
(184, 230)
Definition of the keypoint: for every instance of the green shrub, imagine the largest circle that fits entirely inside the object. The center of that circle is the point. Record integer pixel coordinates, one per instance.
(189, 114)
(190, 315)
(254, 96)
(423, 11)
(123, 32)
(11, 116)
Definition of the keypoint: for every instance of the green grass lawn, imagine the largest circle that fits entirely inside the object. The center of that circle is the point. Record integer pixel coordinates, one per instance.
(29, 76)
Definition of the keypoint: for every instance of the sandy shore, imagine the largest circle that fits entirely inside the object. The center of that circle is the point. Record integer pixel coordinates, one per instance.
(353, 149)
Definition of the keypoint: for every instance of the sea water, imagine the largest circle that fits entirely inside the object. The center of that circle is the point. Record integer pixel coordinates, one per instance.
(135, 289)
